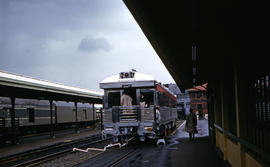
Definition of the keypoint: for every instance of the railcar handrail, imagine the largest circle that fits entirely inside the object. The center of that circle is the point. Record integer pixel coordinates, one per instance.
(248, 145)
(126, 113)
(2, 122)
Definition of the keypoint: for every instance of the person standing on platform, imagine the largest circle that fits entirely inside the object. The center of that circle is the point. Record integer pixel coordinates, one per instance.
(126, 100)
(191, 124)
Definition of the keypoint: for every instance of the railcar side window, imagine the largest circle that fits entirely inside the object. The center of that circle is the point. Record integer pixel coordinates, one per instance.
(113, 99)
(165, 100)
(6, 112)
(31, 113)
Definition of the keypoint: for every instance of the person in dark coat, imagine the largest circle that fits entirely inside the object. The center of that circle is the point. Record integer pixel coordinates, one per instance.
(191, 124)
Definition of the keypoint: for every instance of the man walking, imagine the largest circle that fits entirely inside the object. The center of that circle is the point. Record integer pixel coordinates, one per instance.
(191, 124)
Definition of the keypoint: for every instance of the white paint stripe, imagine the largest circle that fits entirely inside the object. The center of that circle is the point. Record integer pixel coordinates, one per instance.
(173, 133)
(182, 124)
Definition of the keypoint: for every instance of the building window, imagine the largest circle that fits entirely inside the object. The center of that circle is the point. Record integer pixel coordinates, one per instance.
(199, 94)
(192, 95)
(204, 94)
(31, 114)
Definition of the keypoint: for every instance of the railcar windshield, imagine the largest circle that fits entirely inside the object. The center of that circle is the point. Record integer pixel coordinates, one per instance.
(113, 99)
(114, 96)
(132, 93)
(147, 96)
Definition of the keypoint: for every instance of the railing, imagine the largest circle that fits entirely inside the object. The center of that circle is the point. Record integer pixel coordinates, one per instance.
(2, 123)
(125, 114)
(129, 114)
(253, 148)
(147, 114)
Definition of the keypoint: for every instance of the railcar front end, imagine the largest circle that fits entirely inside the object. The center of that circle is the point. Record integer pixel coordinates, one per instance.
(144, 118)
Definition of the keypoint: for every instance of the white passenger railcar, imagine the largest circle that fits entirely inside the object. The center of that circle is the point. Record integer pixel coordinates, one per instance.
(33, 116)
(149, 119)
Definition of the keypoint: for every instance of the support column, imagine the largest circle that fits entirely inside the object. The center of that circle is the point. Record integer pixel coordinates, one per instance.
(55, 117)
(211, 116)
(244, 101)
(242, 156)
(12, 115)
(101, 118)
(76, 117)
(52, 124)
(224, 120)
(94, 120)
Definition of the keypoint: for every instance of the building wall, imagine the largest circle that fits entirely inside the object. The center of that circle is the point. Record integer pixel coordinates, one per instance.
(183, 99)
(198, 98)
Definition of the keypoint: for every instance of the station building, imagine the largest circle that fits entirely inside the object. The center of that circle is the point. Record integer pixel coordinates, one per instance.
(198, 99)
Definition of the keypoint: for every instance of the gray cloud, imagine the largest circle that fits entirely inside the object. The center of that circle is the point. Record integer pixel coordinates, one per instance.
(47, 39)
(89, 44)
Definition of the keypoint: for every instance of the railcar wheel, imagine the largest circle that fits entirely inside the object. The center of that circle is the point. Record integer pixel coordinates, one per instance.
(142, 138)
(115, 139)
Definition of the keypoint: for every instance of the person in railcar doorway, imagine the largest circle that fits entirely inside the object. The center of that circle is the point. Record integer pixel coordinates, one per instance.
(126, 100)
(191, 124)
(142, 101)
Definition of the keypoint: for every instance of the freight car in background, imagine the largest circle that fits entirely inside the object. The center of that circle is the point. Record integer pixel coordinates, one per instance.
(33, 116)
(151, 118)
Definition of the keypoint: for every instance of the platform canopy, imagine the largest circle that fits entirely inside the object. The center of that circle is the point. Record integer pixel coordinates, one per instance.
(200, 41)
(18, 86)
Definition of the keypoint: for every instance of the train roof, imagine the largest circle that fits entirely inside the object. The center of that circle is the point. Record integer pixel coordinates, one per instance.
(128, 79)
(71, 104)
(34, 102)
(19, 81)
(19, 101)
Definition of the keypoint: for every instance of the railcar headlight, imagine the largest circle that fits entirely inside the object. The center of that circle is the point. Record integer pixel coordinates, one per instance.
(148, 128)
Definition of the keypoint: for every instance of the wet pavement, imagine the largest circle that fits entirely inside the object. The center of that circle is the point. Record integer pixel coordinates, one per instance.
(197, 153)
(178, 152)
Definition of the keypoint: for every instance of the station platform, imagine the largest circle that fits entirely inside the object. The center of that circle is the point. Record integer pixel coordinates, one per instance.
(199, 152)
(31, 143)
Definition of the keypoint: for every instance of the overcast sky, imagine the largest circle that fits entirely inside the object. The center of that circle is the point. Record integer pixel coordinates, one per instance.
(74, 42)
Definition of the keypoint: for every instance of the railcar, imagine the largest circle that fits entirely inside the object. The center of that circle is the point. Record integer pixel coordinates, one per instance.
(33, 116)
(150, 119)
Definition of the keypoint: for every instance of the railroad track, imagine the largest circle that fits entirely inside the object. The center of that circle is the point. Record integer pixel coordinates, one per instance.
(43, 154)
(110, 158)
(116, 156)
(122, 158)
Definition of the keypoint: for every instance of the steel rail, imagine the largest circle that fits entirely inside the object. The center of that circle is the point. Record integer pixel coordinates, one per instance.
(43, 153)
(123, 157)
(49, 157)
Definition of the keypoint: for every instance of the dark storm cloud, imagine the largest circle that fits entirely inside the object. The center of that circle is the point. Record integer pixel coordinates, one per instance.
(88, 44)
